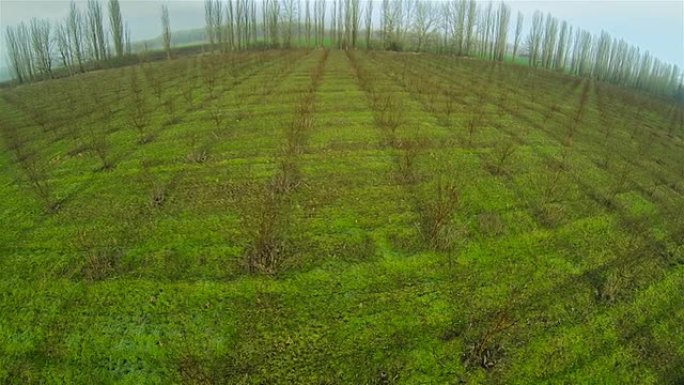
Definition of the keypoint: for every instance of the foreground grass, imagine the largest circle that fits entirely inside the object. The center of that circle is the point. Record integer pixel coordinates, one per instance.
(322, 217)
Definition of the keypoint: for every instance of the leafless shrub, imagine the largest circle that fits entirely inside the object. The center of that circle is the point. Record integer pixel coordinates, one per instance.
(158, 189)
(474, 122)
(581, 109)
(100, 145)
(500, 153)
(408, 151)
(550, 215)
(288, 177)
(199, 150)
(37, 177)
(389, 116)
(484, 350)
(102, 258)
(268, 248)
(154, 79)
(188, 95)
(216, 114)
(449, 106)
(137, 110)
(622, 174)
(266, 253)
(435, 215)
(170, 106)
(317, 73)
(209, 75)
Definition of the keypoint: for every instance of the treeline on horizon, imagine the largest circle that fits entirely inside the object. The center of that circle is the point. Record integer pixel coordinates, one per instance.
(88, 38)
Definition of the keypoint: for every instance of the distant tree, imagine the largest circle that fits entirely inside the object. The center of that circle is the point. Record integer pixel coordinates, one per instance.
(116, 26)
(424, 22)
(534, 38)
(549, 41)
(518, 32)
(455, 20)
(369, 23)
(355, 18)
(392, 24)
(320, 10)
(307, 22)
(75, 31)
(602, 56)
(486, 23)
(503, 18)
(14, 53)
(289, 13)
(470, 26)
(64, 47)
(166, 30)
(27, 53)
(230, 26)
(250, 23)
(583, 52)
(96, 34)
(334, 21)
(209, 20)
(127, 41)
(219, 35)
(41, 43)
(273, 11)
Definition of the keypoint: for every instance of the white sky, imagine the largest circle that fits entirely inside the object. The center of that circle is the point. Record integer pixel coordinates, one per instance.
(656, 26)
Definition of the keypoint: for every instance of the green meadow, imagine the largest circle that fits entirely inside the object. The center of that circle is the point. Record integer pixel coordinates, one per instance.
(339, 217)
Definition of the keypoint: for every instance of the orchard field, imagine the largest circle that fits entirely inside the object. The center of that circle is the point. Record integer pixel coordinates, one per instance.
(339, 217)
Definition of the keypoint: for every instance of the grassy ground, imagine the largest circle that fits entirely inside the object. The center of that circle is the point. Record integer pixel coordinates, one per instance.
(330, 217)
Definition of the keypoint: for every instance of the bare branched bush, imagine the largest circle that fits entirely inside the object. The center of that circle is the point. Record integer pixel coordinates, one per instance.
(155, 81)
(550, 188)
(389, 116)
(170, 106)
(288, 177)
(485, 350)
(474, 122)
(216, 114)
(449, 106)
(199, 150)
(100, 145)
(138, 113)
(209, 75)
(188, 95)
(622, 176)
(435, 215)
(36, 174)
(408, 151)
(266, 253)
(499, 155)
(584, 99)
(102, 257)
(158, 189)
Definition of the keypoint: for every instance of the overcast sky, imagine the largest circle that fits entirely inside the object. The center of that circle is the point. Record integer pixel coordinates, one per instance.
(656, 26)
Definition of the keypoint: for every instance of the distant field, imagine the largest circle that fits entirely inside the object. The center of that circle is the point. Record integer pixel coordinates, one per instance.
(322, 217)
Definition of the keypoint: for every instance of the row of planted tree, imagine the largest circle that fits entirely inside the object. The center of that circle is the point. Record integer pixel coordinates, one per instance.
(459, 27)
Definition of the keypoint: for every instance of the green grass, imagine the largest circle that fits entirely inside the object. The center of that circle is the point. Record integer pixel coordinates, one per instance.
(350, 219)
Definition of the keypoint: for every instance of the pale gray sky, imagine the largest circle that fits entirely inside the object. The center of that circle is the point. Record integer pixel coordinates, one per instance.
(656, 26)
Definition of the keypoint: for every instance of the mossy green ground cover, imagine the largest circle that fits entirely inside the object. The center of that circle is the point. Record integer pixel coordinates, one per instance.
(339, 218)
